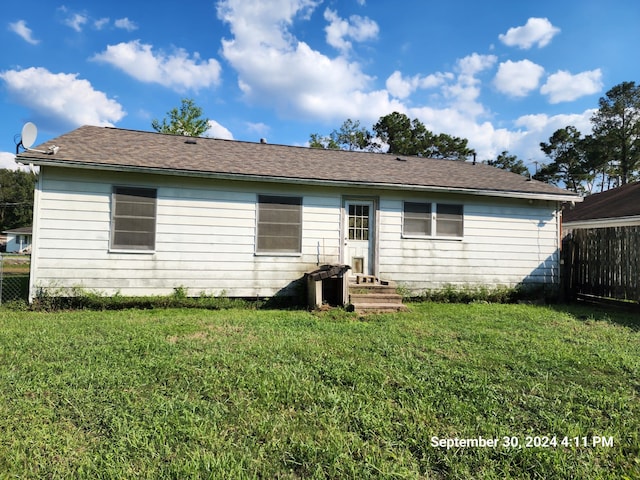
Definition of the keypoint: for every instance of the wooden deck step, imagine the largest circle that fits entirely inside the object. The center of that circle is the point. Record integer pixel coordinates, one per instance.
(368, 294)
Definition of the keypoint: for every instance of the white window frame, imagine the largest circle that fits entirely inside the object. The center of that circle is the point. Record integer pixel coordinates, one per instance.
(433, 221)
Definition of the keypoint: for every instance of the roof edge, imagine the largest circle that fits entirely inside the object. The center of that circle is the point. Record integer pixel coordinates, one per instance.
(604, 222)
(564, 197)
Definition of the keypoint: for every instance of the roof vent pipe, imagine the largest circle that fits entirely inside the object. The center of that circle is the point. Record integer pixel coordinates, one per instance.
(474, 158)
(263, 140)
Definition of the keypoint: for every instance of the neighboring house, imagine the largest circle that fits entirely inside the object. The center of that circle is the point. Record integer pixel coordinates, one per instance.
(144, 213)
(18, 240)
(617, 207)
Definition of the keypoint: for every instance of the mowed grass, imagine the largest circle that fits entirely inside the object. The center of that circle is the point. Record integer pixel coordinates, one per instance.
(291, 394)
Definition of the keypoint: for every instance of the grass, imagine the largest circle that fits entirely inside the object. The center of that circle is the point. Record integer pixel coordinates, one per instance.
(245, 393)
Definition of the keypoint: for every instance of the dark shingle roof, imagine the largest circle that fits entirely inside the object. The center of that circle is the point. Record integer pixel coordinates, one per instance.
(108, 148)
(20, 231)
(618, 202)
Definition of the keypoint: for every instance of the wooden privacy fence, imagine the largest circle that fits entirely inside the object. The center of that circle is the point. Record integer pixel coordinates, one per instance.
(603, 262)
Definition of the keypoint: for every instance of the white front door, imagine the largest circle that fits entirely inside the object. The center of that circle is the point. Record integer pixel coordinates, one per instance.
(359, 232)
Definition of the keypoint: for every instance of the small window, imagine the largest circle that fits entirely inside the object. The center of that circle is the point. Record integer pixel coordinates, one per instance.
(358, 222)
(417, 219)
(449, 220)
(279, 224)
(133, 225)
(432, 220)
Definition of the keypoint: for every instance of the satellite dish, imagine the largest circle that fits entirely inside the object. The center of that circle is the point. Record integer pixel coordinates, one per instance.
(29, 134)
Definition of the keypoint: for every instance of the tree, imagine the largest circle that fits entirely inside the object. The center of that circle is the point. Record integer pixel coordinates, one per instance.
(617, 123)
(510, 163)
(16, 198)
(404, 137)
(185, 121)
(410, 137)
(350, 136)
(569, 164)
(326, 143)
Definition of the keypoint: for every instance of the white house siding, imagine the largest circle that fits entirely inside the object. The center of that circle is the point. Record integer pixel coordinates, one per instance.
(205, 237)
(206, 229)
(505, 242)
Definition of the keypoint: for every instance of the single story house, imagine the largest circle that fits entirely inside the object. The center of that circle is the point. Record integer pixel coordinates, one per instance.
(143, 213)
(18, 240)
(617, 207)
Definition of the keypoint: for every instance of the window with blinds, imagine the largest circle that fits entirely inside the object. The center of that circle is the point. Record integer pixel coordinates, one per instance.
(279, 224)
(133, 218)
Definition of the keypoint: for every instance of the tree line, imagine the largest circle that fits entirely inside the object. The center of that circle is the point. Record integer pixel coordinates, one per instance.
(606, 158)
(16, 198)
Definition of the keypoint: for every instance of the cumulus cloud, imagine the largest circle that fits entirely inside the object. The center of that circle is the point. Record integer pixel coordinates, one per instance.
(564, 87)
(537, 31)
(356, 28)
(464, 93)
(56, 98)
(20, 28)
(540, 127)
(126, 24)
(402, 87)
(177, 71)
(517, 79)
(7, 160)
(277, 69)
(216, 130)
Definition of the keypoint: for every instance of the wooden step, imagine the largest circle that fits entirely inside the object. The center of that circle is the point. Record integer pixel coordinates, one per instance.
(369, 294)
(361, 298)
(378, 307)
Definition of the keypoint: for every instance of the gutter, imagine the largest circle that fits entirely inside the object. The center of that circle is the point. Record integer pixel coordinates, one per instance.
(303, 181)
(604, 222)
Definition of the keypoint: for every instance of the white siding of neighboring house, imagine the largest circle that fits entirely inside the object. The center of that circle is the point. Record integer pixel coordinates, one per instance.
(206, 229)
(17, 242)
(505, 242)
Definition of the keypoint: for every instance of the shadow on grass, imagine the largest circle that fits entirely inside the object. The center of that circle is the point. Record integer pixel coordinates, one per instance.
(585, 311)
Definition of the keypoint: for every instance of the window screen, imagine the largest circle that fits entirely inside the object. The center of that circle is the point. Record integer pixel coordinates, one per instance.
(279, 224)
(133, 225)
(449, 220)
(417, 219)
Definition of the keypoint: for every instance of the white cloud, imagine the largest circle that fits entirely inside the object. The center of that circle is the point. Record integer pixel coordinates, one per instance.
(517, 79)
(356, 28)
(76, 21)
(537, 31)
(7, 160)
(564, 87)
(126, 24)
(464, 93)
(57, 98)
(216, 130)
(101, 23)
(402, 87)
(178, 71)
(538, 128)
(277, 69)
(20, 28)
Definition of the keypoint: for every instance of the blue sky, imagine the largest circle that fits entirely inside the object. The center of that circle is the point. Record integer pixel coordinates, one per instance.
(504, 74)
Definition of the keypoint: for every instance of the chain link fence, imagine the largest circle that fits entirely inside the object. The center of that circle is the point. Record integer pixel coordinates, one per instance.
(14, 277)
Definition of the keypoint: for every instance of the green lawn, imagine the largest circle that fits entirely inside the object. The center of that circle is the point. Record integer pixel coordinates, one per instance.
(290, 394)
